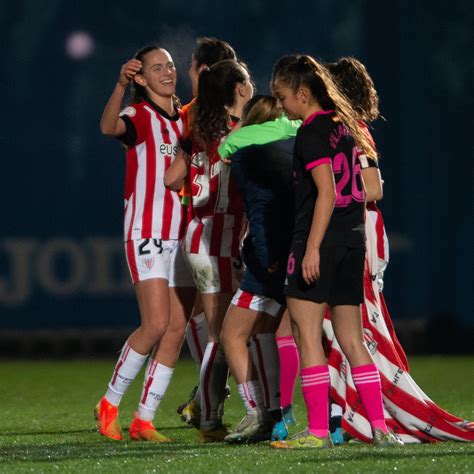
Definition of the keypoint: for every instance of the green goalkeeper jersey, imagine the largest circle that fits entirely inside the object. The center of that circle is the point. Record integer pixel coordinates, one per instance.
(261, 134)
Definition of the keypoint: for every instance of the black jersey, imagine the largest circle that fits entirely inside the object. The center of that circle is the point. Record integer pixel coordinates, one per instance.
(322, 139)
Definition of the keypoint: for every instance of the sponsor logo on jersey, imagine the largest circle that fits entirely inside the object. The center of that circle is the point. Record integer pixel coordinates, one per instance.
(168, 149)
(149, 262)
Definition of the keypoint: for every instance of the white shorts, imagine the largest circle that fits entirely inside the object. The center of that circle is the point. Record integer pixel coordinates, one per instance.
(213, 274)
(262, 304)
(156, 258)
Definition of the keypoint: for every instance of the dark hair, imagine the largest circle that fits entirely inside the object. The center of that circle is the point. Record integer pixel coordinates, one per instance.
(280, 64)
(138, 92)
(210, 119)
(259, 109)
(354, 81)
(209, 51)
(307, 72)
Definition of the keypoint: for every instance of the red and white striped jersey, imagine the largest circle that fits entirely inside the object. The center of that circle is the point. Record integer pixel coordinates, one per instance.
(152, 138)
(216, 211)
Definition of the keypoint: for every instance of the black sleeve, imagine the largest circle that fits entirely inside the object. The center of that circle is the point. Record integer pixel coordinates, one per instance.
(129, 138)
(187, 146)
(314, 150)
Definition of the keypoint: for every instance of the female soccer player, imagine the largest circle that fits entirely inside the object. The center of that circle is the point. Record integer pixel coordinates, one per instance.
(264, 178)
(213, 233)
(207, 52)
(151, 129)
(326, 262)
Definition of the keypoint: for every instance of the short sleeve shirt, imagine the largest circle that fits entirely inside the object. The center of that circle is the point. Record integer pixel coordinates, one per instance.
(324, 140)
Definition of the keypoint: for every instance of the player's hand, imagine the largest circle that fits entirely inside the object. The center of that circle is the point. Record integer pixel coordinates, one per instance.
(310, 265)
(128, 71)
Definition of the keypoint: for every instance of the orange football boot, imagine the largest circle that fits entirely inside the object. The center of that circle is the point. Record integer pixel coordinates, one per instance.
(144, 430)
(107, 418)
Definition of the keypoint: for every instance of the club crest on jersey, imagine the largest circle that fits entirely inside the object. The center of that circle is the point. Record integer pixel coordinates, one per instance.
(129, 111)
(149, 262)
(370, 341)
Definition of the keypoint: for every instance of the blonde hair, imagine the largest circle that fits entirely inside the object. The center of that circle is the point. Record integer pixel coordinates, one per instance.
(260, 109)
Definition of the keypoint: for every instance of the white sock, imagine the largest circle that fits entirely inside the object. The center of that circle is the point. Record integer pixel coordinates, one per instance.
(336, 410)
(126, 369)
(265, 356)
(196, 337)
(251, 394)
(213, 379)
(157, 379)
(197, 396)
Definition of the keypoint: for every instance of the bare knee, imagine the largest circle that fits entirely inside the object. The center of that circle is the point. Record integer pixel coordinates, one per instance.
(154, 330)
(354, 348)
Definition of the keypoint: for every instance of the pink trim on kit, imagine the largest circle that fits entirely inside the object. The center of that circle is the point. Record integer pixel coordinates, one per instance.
(318, 162)
(313, 116)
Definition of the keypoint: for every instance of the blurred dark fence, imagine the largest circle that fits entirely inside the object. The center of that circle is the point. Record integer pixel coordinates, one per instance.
(61, 258)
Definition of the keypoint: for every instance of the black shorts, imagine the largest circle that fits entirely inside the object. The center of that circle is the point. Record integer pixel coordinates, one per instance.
(341, 280)
(272, 286)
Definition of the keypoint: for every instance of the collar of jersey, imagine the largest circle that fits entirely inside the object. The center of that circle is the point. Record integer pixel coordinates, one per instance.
(161, 111)
(313, 116)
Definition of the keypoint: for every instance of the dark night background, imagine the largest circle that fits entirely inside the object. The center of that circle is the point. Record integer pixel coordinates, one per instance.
(61, 259)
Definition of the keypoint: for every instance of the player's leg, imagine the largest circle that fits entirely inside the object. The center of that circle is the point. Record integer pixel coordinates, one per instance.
(153, 300)
(308, 316)
(161, 365)
(213, 278)
(263, 348)
(196, 338)
(346, 320)
(347, 324)
(289, 366)
(236, 329)
(214, 369)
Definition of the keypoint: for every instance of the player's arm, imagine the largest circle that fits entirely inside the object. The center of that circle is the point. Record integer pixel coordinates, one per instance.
(323, 178)
(259, 134)
(372, 179)
(111, 124)
(176, 174)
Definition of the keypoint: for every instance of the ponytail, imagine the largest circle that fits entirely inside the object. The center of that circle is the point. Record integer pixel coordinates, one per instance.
(305, 71)
(210, 119)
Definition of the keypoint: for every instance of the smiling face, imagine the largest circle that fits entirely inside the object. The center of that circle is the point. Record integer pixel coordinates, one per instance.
(291, 102)
(158, 74)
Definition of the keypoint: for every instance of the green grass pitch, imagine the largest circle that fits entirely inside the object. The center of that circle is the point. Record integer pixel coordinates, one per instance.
(46, 425)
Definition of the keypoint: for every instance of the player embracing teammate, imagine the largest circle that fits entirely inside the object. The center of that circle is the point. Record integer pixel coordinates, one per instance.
(212, 235)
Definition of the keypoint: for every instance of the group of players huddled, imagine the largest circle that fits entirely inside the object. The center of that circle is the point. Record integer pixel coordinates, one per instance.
(245, 226)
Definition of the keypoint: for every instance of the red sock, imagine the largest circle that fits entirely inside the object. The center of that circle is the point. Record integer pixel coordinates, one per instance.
(315, 387)
(289, 368)
(367, 381)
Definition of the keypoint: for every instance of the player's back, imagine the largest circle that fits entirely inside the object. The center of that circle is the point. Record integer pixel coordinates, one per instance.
(264, 176)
